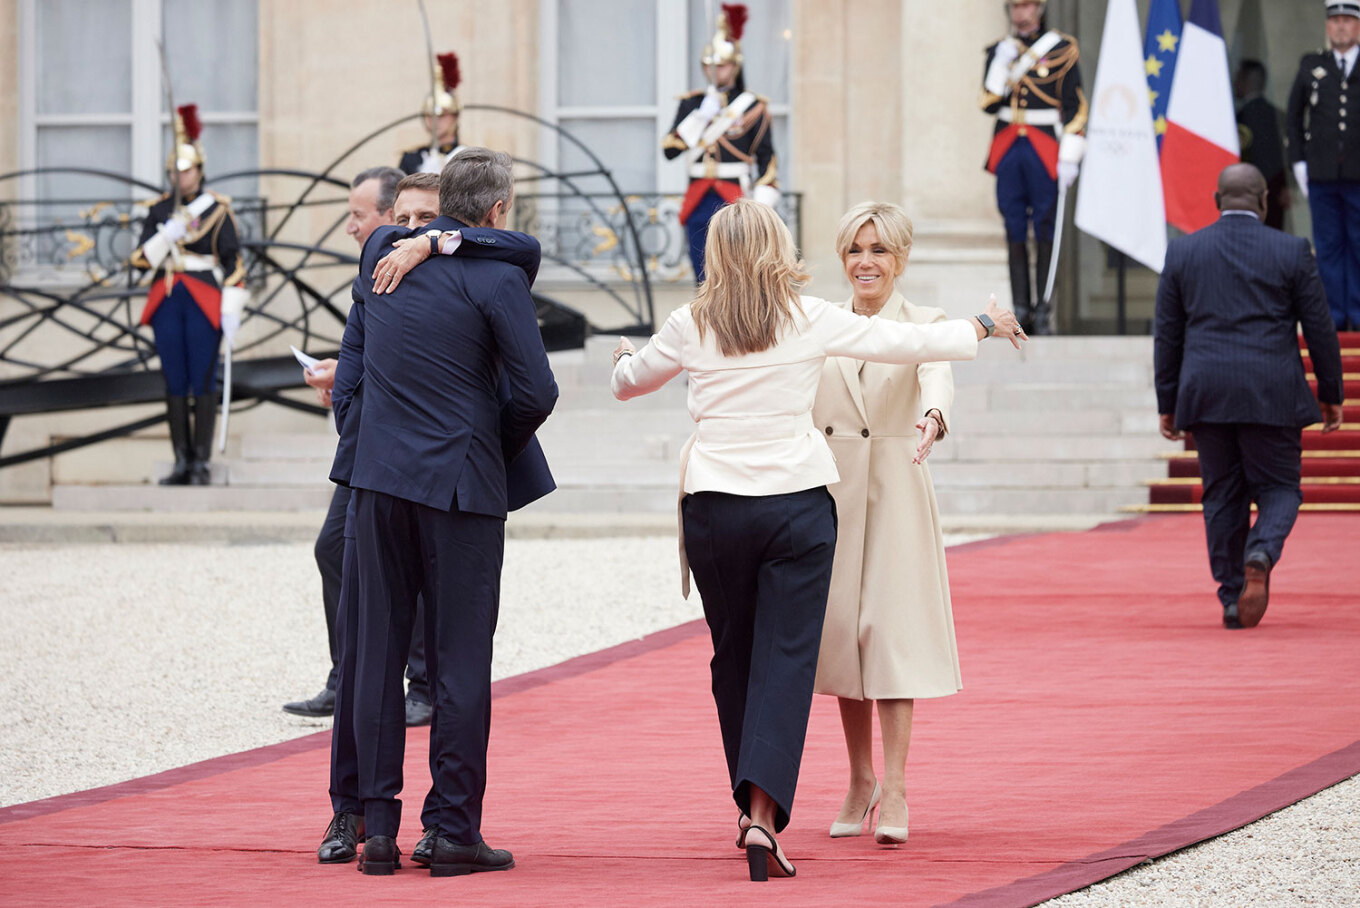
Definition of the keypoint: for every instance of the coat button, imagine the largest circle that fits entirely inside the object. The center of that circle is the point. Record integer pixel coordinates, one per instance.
(864, 433)
(1343, 99)
(828, 430)
(1343, 126)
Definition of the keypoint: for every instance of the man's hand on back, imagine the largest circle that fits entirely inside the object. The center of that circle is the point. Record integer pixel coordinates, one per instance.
(391, 268)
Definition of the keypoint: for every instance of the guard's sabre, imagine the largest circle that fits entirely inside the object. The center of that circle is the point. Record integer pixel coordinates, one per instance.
(1057, 244)
(226, 401)
(712, 24)
(169, 99)
(434, 85)
(173, 174)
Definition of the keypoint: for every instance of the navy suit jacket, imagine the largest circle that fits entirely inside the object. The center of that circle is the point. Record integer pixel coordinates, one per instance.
(450, 375)
(1227, 348)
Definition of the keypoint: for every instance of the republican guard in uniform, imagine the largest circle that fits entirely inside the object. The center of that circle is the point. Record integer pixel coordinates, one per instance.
(189, 239)
(441, 111)
(1032, 83)
(1325, 154)
(724, 132)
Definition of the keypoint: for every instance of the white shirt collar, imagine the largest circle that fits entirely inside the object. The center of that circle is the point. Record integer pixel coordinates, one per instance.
(1250, 214)
(1347, 60)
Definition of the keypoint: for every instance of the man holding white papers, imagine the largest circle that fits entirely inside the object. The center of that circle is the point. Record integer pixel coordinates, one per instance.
(377, 197)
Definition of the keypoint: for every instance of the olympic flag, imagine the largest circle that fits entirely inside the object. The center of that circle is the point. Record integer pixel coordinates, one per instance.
(1120, 198)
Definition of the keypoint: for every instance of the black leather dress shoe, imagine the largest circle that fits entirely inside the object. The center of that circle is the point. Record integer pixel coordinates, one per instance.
(418, 712)
(323, 704)
(381, 856)
(341, 842)
(1230, 618)
(421, 853)
(448, 859)
(1251, 604)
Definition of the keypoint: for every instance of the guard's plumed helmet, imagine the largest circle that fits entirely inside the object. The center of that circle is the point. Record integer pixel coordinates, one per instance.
(446, 79)
(1343, 8)
(188, 127)
(726, 44)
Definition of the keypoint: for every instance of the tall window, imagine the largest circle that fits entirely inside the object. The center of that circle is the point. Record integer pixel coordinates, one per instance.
(92, 95)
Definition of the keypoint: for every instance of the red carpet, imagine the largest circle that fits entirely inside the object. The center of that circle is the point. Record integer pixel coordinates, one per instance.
(1106, 718)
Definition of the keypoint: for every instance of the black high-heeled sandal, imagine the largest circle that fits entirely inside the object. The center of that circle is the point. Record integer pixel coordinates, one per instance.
(762, 860)
(743, 824)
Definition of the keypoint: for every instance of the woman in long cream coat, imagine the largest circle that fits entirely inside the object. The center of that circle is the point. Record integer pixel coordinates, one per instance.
(889, 630)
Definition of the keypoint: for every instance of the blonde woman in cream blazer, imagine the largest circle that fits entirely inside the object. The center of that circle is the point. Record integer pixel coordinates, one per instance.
(759, 526)
(889, 631)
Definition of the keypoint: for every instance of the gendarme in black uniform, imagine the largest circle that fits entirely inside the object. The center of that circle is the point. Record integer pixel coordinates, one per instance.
(1324, 104)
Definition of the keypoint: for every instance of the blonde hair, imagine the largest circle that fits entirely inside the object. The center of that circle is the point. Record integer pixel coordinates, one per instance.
(753, 278)
(893, 226)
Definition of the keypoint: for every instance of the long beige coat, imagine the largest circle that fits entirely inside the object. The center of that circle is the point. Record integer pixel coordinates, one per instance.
(889, 629)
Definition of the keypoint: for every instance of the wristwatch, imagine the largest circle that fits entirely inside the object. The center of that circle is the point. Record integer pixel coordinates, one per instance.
(434, 236)
(987, 324)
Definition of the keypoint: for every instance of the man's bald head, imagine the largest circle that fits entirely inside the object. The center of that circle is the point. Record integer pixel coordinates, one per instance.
(1241, 188)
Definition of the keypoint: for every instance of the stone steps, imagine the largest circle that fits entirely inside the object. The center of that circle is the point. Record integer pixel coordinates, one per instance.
(1065, 425)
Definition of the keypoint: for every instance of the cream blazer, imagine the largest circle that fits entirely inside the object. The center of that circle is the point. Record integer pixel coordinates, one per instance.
(754, 433)
(889, 629)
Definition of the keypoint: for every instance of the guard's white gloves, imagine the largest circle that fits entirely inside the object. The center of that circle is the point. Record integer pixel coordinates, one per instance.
(711, 104)
(766, 194)
(1007, 51)
(1301, 177)
(231, 323)
(1067, 174)
(174, 229)
(234, 301)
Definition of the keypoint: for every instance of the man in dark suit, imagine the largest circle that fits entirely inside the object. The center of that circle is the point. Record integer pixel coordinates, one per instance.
(528, 479)
(374, 196)
(1261, 138)
(1228, 370)
(430, 499)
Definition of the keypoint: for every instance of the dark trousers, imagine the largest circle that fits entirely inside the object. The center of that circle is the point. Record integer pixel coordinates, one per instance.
(344, 753)
(1241, 463)
(1336, 233)
(401, 548)
(763, 567)
(344, 788)
(696, 229)
(330, 551)
(186, 343)
(1025, 192)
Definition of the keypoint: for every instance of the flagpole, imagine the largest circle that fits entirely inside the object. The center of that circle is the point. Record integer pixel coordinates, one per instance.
(1122, 297)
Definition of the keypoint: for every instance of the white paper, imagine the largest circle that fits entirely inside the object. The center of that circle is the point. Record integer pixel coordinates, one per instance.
(308, 362)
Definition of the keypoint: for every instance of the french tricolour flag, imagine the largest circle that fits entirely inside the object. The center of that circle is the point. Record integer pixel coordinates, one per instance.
(1201, 129)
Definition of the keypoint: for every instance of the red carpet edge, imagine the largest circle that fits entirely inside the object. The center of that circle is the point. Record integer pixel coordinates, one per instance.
(1240, 810)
